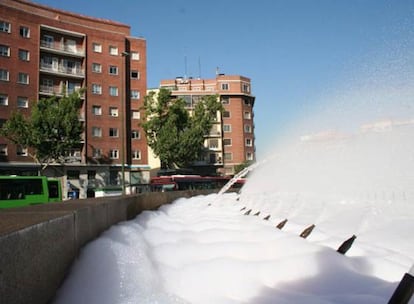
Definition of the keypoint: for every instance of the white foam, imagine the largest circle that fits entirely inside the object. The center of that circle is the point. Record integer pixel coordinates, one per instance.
(189, 252)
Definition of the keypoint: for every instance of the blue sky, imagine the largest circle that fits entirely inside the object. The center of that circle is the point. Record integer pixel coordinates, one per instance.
(301, 55)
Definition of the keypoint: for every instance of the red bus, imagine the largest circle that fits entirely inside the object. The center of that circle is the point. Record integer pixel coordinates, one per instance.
(191, 182)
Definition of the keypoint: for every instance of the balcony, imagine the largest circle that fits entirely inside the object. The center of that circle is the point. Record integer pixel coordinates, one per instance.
(57, 90)
(62, 48)
(62, 70)
(213, 133)
(50, 90)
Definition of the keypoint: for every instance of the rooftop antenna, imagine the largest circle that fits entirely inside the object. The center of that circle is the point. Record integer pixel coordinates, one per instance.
(185, 67)
(199, 68)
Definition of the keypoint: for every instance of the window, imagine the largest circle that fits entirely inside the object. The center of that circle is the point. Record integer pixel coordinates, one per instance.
(97, 48)
(96, 132)
(113, 91)
(228, 156)
(48, 41)
(3, 149)
(4, 75)
(214, 158)
(225, 86)
(136, 114)
(113, 132)
(96, 89)
(226, 114)
(227, 141)
(96, 68)
(247, 102)
(225, 100)
(5, 27)
(22, 102)
(134, 55)
(21, 151)
(245, 88)
(4, 50)
(24, 55)
(73, 86)
(23, 78)
(226, 128)
(47, 82)
(135, 134)
(136, 154)
(113, 70)
(134, 75)
(215, 130)
(73, 155)
(73, 174)
(114, 177)
(72, 67)
(249, 142)
(96, 110)
(46, 85)
(48, 62)
(135, 94)
(113, 50)
(113, 154)
(247, 115)
(70, 45)
(248, 128)
(4, 100)
(113, 111)
(249, 156)
(24, 32)
(213, 144)
(96, 153)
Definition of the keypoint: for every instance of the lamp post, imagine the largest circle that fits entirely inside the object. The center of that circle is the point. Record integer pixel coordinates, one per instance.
(123, 88)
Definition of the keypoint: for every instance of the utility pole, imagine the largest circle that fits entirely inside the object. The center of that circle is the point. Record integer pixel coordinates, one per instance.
(123, 121)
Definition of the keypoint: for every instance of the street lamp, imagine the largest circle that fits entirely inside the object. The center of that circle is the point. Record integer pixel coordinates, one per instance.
(123, 95)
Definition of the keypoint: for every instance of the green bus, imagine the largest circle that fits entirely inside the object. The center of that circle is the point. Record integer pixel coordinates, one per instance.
(17, 191)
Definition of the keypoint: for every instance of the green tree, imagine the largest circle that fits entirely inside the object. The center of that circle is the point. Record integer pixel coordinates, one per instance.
(51, 130)
(240, 167)
(174, 134)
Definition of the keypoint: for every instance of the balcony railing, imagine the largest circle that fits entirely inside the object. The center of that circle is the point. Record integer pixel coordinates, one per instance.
(59, 91)
(50, 90)
(60, 69)
(62, 48)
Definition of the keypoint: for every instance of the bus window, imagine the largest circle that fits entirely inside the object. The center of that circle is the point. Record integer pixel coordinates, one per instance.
(11, 191)
(53, 187)
(31, 186)
(5, 192)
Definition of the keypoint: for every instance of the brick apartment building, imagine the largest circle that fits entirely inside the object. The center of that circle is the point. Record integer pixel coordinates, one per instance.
(231, 140)
(45, 52)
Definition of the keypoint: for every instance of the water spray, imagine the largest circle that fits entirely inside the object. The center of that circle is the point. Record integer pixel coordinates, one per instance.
(241, 174)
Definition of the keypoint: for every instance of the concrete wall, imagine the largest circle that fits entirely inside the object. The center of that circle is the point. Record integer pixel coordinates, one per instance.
(39, 243)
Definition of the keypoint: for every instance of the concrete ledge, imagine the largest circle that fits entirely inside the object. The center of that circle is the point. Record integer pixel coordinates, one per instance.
(39, 243)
